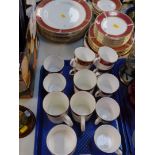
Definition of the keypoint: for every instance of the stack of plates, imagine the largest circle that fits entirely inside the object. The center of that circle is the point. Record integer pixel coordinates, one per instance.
(63, 20)
(113, 29)
(105, 5)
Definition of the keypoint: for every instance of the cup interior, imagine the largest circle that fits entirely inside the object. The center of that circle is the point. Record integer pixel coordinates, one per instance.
(107, 109)
(82, 103)
(108, 83)
(61, 140)
(107, 138)
(84, 54)
(108, 54)
(85, 79)
(53, 63)
(55, 103)
(54, 82)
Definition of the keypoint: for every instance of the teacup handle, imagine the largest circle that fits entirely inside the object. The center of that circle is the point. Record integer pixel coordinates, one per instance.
(72, 62)
(118, 152)
(98, 94)
(82, 123)
(67, 120)
(72, 71)
(98, 120)
(96, 72)
(96, 59)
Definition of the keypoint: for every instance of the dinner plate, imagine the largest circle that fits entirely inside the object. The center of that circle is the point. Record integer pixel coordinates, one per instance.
(106, 5)
(114, 24)
(63, 16)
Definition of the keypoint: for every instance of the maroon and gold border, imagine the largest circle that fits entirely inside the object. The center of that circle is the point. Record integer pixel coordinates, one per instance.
(123, 16)
(45, 26)
(94, 40)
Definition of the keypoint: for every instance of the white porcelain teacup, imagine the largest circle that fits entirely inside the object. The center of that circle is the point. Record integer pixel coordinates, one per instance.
(84, 80)
(56, 105)
(108, 139)
(107, 84)
(54, 82)
(61, 140)
(82, 106)
(83, 59)
(53, 64)
(107, 110)
(106, 59)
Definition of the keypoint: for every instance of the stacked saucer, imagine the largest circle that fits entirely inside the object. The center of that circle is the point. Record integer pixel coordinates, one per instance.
(105, 5)
(113, 29)
(63, 20)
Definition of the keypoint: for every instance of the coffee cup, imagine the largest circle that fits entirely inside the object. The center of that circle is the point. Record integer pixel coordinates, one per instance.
(82, 106)
(106, 59)
(108, 139)
(107, 85)
(83, 59)
(54, 82)
(53, 64)
(84, 80)
(56, 105)
(107, 110)
(61, 140)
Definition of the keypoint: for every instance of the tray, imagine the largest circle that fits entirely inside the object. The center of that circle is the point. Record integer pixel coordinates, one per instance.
(127, 110)
(85, 143)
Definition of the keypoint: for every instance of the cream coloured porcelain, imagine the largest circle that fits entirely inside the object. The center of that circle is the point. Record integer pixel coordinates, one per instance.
(107, 109)
(85, 80)
(114, 25)
(108, 54)
(63, 14)
(56, 105)
(108, 139)
(53, 64)
(54, 82)
(107, 84)
(84, 54)
(106, 5)
(61, 140)
(82, 106)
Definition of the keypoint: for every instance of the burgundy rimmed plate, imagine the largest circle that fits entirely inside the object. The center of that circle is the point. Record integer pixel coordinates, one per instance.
(63, 16)
(106, 5)
(114, 24)
(94, 42)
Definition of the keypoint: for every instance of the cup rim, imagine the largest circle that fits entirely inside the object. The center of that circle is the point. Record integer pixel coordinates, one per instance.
(116, 132)
(58, 93)
(58, 75)
(78, 72)
(50, 57)
(108, 101)
(86, 93)
(114, 78)
(82, 49)
(71, 130)
(104, 49)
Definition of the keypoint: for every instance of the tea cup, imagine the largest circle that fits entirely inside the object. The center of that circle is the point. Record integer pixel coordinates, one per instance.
(107, 84)
(61, 140)
(53, 64)
(56, 105)
(54, 82)
(108, 139)
(107, 110)
(84, 80)
(83, 59)
(82, 106)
